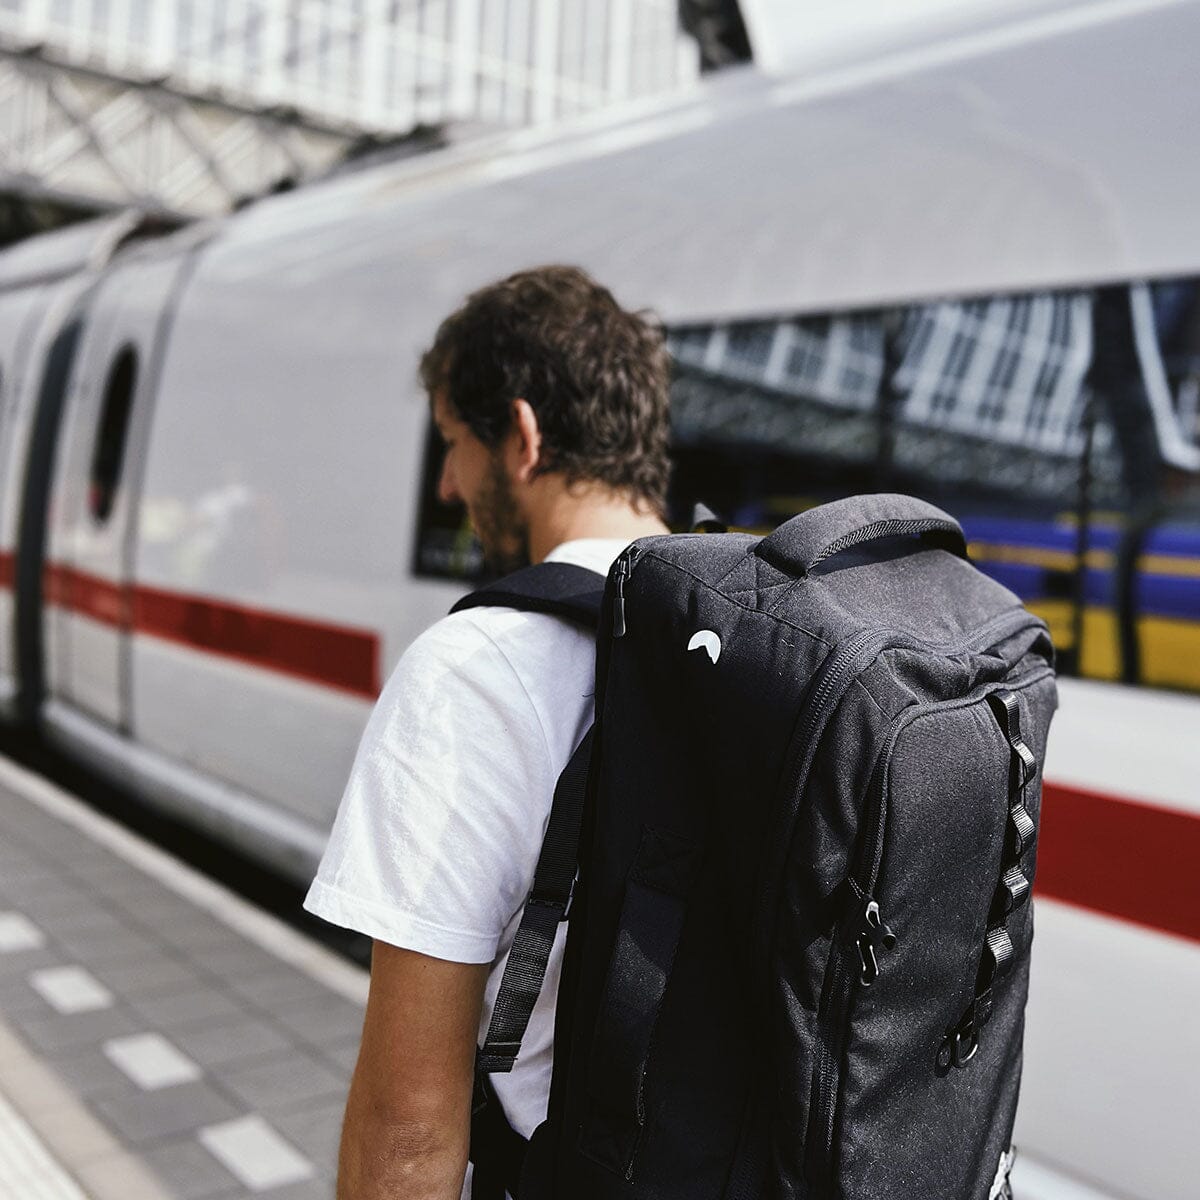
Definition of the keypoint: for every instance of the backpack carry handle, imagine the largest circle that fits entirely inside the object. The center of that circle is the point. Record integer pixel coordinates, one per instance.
(801, 543)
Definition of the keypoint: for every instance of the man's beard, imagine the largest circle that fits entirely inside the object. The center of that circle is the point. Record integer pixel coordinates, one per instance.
(502, 530)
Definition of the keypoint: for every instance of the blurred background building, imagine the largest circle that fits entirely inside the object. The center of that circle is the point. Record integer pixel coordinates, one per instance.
(187, 108)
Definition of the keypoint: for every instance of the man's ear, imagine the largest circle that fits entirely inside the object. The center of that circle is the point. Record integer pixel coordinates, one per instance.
(526, 441)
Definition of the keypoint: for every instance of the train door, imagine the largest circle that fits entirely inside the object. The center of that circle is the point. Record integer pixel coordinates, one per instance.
(21, 309)
(97, 484)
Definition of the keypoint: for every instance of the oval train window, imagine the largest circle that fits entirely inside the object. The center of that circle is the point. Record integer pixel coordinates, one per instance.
(112, 432)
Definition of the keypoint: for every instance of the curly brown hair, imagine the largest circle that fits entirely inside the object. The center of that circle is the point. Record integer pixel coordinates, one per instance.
(597, 377)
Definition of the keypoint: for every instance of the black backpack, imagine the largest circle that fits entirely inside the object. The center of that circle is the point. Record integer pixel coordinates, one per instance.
(804, 823)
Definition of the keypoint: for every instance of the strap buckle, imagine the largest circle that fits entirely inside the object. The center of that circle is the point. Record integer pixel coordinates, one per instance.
(545, 899)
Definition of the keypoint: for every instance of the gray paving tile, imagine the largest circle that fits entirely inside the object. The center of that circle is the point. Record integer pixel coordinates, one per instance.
(84, 857)
(52, 1032)
(23, 819)
(87, 1071)
(190, 1171)
(316, 1132)
(174, 1009)
(310, 1189)
(138, 894)
(82, 923)
(55, 844)
(56, 897)
(342, 1054)
(242, 962)
(197, 932)
(12, 850)
(114, 948)
(113, 886)
(149, 977)
(226, 1041)
(96, 869)
(17, 996)
(16, 964)
(28, 878)
(330, 1019)
(278, 985)
(141, 1117)
(287, 1080)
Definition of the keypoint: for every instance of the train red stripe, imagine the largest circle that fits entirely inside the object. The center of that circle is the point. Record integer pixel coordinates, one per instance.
(8, 568)
(1121, 858)
(330, 655)
(346, 659)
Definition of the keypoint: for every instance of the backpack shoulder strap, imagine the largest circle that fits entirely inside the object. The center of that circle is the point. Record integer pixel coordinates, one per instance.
(496, 1150)
(561, 589)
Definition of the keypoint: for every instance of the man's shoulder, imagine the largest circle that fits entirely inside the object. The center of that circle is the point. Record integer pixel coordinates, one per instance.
(477, 639)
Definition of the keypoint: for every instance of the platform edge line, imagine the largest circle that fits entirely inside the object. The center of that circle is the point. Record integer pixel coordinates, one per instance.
(264, 930)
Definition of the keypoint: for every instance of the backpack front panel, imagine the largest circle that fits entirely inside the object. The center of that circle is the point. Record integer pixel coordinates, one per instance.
(689, 754)
(891, 1113)
(704, 1019)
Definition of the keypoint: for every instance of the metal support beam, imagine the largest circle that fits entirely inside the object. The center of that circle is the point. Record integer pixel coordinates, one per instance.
(189, 109)
(77, 135)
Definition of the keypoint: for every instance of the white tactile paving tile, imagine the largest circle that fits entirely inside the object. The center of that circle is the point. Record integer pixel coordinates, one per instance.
(151, 1061)
(18, 932)
(27, 1170)
(254, 1152)
(70, 989)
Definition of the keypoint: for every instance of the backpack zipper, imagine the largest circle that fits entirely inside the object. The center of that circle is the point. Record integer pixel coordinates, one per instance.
(868, 928)
(839, 669)
(621, 572)
(868, 933)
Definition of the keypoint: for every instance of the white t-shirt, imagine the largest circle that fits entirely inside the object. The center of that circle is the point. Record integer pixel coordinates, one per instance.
(439, 830)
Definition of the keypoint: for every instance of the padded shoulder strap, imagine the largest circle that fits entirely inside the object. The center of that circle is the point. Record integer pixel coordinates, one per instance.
(562, 589)
(496, 1149)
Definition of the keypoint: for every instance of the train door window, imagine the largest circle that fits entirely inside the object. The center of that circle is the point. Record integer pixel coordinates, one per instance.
(445, 546)
(112, 432)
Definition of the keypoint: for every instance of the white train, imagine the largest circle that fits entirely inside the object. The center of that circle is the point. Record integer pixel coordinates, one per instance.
(217, 521)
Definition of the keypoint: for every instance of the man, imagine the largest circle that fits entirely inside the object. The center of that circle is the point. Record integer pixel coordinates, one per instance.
(552, 402)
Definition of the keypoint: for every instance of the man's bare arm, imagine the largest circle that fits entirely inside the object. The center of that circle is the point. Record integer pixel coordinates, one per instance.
(408, 1115)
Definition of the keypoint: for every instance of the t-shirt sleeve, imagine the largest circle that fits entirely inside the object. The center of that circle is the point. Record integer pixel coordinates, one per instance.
(438, 832)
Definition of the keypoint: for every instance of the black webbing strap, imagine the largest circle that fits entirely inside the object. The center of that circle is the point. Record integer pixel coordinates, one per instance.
(1012, 890)
(561, 589)
(648, 932)
(497, 1150)
(548, 903)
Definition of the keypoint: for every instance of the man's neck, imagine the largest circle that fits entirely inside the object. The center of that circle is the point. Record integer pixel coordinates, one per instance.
(588, 518)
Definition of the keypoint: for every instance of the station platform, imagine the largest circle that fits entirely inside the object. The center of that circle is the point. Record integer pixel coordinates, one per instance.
(160, 1038)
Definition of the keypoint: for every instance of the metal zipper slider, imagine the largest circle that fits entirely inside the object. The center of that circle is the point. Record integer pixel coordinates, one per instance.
(872, 937)
(619, 608)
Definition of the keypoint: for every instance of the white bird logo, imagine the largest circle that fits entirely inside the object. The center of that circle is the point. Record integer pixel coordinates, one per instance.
(709, 641)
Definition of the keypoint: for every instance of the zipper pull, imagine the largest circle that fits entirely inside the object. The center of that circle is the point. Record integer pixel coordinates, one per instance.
(618, 629)
(872, 936)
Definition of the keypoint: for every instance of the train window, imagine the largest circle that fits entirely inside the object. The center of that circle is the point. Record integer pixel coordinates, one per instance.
(1049, 423)
(109, 452)
(445, 545)
(752, 401)
(1061, 427)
